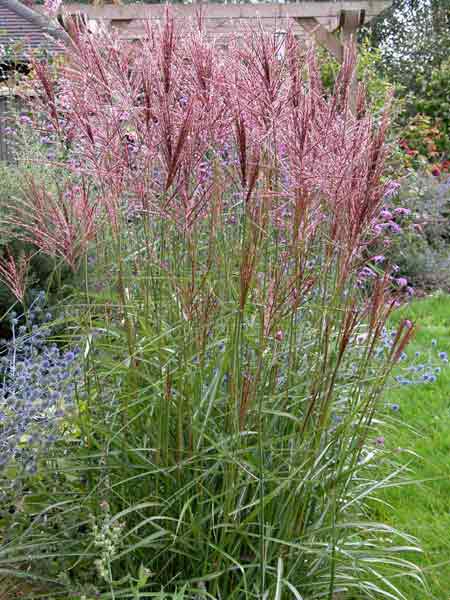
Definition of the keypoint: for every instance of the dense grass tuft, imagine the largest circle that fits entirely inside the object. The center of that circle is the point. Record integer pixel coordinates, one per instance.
(216, 210)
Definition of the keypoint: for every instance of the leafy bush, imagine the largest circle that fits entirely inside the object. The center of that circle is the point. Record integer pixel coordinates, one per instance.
(421, 248)
(234, 364)
(433, 101)
(413, 61)
(422, 141)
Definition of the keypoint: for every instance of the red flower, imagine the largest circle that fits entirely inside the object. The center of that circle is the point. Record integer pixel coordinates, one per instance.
(436, 171)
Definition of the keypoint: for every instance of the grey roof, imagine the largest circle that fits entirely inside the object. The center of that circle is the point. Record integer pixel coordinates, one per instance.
(20, 24)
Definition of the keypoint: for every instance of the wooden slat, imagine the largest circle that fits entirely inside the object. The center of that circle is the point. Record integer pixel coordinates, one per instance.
(236, 25)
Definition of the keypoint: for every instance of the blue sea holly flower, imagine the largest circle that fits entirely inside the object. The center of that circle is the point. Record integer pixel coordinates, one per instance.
(69, 356)
(395, 407)
(433, 342)
(37, 385)
(443, 355)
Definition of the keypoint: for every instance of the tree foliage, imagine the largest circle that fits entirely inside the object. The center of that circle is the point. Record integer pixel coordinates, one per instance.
(414, 39)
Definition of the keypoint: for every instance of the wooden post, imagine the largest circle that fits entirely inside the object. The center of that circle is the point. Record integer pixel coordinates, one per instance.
(349, 23)
(322, 36)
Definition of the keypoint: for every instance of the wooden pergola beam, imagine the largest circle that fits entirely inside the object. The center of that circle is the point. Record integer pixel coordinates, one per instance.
(211, 10)
(318, 19)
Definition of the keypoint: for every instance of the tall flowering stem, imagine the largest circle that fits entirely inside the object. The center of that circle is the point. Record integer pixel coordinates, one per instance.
(13, 273)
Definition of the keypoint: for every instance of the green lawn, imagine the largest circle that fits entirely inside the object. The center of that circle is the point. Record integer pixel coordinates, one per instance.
(423, 509)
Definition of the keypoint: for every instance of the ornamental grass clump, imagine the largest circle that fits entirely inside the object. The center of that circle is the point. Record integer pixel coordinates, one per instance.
(232, 363)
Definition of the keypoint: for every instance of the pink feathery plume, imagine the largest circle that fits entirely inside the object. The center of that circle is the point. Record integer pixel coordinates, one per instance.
(60, 224)
(14, 274)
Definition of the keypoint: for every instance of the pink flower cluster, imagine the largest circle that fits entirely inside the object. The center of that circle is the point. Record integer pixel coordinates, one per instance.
(51, 7)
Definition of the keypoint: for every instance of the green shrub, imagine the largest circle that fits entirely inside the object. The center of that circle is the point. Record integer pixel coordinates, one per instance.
(434, 102)
(422, 249)
(420, 142)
